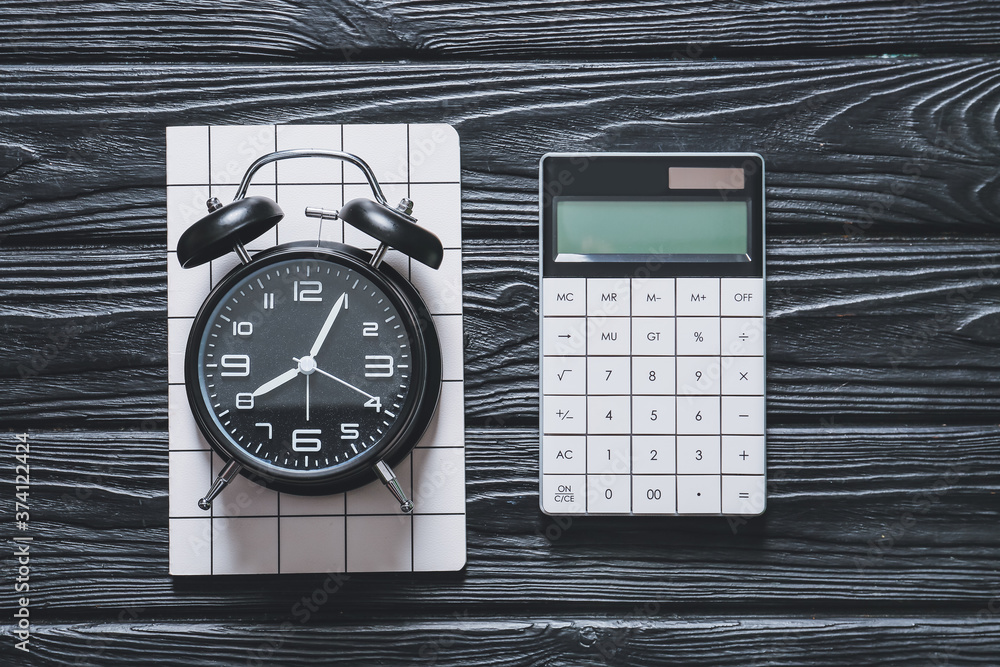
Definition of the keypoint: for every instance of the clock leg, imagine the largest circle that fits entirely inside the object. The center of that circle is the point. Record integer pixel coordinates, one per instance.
(222, 481)
(388, 478)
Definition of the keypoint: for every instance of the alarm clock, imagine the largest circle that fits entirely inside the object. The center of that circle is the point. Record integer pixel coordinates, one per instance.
(311, 368)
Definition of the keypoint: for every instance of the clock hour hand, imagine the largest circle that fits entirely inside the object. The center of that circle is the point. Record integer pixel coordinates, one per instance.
(287, 376)
(327, 324)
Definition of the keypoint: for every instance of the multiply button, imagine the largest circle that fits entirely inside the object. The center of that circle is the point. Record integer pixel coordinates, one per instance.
(743, 297)
(608, 297)
(653, 297)
(697, 296)
(564, 296)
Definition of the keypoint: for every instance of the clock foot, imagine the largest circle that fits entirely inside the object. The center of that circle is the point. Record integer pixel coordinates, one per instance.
(388, 478)
(222, 481)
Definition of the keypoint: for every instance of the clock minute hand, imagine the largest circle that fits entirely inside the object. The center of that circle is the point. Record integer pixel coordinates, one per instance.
(327, 325)
(346, 384)
(287, 376)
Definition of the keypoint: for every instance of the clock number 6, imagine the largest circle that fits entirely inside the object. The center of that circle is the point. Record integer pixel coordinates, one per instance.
(302, 443)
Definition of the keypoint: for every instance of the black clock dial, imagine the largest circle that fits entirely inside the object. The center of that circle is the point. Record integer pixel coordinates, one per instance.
(306, 365)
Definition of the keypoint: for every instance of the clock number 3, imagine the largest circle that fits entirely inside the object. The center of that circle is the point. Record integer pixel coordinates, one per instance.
(378, 366)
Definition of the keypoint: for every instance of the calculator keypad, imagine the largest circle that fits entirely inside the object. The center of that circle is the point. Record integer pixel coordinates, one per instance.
(653, 396)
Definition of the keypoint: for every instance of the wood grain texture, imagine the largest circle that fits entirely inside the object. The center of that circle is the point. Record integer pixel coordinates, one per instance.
(313, 30)
(643, 637)
(885, 518)
(880, 543)
(852, 146)
(860, 330)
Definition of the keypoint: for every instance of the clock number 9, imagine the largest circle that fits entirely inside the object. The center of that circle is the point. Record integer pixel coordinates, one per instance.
(302, 443)
(238, 365)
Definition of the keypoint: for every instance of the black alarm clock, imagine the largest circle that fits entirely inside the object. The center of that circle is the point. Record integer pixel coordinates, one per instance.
(311, 368)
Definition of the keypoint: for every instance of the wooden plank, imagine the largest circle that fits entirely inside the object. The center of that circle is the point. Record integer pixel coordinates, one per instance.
(879, 516)
(853, 146)
(859, 330)
(182, 31)
(646, 635)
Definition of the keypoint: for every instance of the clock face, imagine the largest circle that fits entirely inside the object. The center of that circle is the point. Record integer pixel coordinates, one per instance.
(306, 364)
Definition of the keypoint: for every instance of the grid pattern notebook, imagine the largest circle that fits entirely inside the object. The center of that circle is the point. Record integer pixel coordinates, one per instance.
(251, 529)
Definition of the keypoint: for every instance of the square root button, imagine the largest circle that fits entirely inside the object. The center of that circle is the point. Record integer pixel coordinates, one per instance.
(564, 494)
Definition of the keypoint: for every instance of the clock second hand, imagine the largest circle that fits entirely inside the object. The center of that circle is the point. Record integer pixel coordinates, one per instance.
(346, 384)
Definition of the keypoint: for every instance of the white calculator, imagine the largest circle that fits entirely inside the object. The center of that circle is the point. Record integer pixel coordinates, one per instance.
(652, 334)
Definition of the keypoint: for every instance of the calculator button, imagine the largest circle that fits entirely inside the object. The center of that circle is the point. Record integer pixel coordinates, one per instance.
(609, 494)
(698, 296)
(608, 297)
(698, 335)
(564, 454)
(653, 454)
(608, 414)
(654, 494)
(653, 415)
(698, 415)
(699, 494)
(743, 494)
(743, 336)
(564, 375)
(607, 336)
(564, 414)
(743, 297)
(564, 296)
(698, 454)
(743, 376)
(743, 415)
(653, 336)
(564, 336)
(653, 297)
(653, 375)
(609, 454)
(564, 494)
(608, 375)
(698, 375)
(743, 454)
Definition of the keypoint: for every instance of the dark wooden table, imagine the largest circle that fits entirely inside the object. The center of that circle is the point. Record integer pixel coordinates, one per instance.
(878, 121)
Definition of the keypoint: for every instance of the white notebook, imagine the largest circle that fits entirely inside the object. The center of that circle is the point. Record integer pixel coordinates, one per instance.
(251, 529)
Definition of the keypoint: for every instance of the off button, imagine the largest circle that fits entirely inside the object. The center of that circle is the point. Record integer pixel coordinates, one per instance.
(743, 297)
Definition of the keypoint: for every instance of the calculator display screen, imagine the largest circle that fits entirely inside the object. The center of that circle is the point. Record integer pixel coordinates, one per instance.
(589, 226)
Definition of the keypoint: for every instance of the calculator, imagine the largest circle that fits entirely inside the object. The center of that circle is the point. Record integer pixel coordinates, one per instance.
(652, 364)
